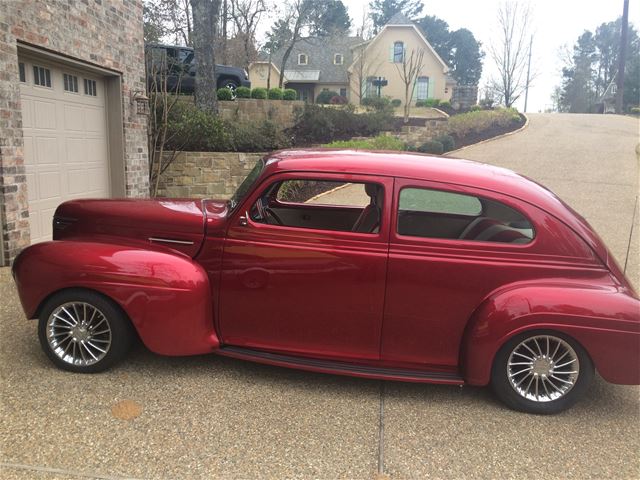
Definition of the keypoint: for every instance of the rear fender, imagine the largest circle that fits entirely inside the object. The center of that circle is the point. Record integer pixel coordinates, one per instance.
(605, 321)
(166, 295)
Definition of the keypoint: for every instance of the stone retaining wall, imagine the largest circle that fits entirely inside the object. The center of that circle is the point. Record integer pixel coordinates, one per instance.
(414, 135)
(206, 174)
(281, 112)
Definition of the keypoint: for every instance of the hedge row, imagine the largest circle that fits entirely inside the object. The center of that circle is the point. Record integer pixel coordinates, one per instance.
(225, 94)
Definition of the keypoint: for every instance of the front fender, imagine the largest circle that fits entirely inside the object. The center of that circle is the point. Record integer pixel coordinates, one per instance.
(166, 295)
(605, 321)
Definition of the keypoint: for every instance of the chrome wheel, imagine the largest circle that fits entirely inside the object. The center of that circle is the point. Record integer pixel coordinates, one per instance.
(543, 368)
(78, 333)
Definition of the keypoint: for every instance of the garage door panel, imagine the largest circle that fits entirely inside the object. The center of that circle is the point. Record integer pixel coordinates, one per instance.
(73, 118)
(46, 151)
(44, 114)
(65, 147)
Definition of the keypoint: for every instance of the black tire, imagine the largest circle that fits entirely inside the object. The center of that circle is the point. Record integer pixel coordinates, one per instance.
(231, 85)
(506, 391)
(112, 320)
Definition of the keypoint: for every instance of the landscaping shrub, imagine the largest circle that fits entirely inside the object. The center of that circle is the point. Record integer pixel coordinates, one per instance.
(396, 102)
(475, 108)
(634, 110)
(431, 102)
(376, 103)
(325, 96)
(225, 94)
(289, 94)
(447, 141)
(381, 142)
(421, 103)
(432, 146)
(317, 124)
(476, 121)
(257, 137)
(338, 100)
(275, 94)
(445, 104)
(243, 92)
(258, 92)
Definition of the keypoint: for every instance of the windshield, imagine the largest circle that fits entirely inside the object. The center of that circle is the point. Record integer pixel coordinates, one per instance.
(246, 185)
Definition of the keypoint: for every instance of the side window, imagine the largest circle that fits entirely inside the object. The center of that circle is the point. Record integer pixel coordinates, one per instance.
(321, 204)
(438, 214)
(41, 76)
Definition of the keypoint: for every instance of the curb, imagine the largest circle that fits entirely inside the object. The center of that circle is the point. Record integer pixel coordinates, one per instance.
(526, 124)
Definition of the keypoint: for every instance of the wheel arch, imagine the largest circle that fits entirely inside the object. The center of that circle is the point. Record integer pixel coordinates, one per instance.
(605, 322)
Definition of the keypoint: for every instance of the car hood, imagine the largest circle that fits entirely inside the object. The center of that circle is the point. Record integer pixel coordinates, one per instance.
(164, 223)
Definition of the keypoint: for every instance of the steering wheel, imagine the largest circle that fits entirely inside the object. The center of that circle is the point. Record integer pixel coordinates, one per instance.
(273, 215)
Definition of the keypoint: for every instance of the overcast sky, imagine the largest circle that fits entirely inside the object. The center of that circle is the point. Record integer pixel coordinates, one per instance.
(556, 23)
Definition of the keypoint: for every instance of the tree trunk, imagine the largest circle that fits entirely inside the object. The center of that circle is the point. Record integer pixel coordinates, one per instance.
(284, 62)
(205, 21)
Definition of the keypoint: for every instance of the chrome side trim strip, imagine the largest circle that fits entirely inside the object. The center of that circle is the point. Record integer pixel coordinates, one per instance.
(170, 240)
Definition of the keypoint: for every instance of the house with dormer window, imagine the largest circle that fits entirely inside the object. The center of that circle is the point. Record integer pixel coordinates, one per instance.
(351, 66)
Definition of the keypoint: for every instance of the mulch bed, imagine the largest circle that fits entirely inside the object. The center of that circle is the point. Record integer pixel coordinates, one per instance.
(487, 134)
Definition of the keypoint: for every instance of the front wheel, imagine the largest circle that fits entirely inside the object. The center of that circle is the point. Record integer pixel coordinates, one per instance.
(84, 332)
(541, 372)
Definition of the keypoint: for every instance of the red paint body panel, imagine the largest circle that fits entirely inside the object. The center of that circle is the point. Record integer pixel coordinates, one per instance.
(379, 300)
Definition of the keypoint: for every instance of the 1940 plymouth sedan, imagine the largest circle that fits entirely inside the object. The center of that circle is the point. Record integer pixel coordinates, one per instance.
(371, 264)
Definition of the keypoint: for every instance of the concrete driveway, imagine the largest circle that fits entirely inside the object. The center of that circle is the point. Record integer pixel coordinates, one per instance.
(209, 417)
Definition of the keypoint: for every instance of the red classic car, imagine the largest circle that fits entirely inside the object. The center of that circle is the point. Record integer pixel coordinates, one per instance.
(372, 264)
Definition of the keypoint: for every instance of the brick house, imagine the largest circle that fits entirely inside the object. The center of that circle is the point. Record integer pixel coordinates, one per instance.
(71, 80)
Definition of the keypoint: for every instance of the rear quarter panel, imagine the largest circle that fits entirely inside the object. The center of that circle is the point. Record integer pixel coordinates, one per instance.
(166, 295)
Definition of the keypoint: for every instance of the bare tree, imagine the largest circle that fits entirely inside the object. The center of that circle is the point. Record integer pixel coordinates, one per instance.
(173, 17)
(205, 23)
(297, 17)
(363, 67)
(409, 69)
(510, 50)
(246, 15)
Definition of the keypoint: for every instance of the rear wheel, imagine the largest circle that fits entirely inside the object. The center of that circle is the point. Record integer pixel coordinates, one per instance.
(541, 372)
(82, 331)
(232, 85)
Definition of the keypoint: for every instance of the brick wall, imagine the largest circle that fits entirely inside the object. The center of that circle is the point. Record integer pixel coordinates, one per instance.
(206, 174)
(281, 112)
(104, 33)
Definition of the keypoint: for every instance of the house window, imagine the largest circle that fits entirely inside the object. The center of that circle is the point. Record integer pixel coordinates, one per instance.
(303, 59)
(343, 92)
(41, 76)
(70, 83)
(22, 72)
(90, 87)
(398, 52)
(422, 88)
(338, 59)
(369, 88)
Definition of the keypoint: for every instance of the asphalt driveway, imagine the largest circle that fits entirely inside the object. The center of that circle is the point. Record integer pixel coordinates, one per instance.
(210, 417)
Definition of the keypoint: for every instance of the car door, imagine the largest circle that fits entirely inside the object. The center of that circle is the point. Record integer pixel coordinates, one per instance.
(309, 286)
(451, 246)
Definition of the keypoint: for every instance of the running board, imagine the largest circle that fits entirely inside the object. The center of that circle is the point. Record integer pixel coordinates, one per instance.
(340, 368)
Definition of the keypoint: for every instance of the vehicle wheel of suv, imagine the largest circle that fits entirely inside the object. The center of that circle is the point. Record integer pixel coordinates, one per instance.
(84, 332)
(541, 372)
(231, 85)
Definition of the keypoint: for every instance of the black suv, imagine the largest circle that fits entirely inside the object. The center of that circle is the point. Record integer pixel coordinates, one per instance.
(178, 64)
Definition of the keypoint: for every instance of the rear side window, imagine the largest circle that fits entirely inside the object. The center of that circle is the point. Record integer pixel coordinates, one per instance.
(432, 213)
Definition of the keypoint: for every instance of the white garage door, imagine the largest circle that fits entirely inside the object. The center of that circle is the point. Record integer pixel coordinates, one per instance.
(65, 139)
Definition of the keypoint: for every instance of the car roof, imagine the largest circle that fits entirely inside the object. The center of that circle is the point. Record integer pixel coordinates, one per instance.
(435, 169)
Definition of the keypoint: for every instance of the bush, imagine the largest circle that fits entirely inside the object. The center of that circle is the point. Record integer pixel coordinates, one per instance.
(259, 93)
(432, 146)
(243, 92)
(447, 141)
(289, 94)
(275, 94)
(445, 104)
(381, 142)
(396, 102)
(475, 108)
(317, 124)
(634, 110)
(376, 103)
(431, 102)
(325, 96)
(191, 129)
(338, 100)
(421, 103)
(476, 121)
(224, 94)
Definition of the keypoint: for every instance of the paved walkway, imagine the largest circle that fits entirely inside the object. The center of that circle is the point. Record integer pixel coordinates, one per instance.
(210, 417)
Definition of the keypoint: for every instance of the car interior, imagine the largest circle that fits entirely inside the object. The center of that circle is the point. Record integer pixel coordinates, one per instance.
(430, 214)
